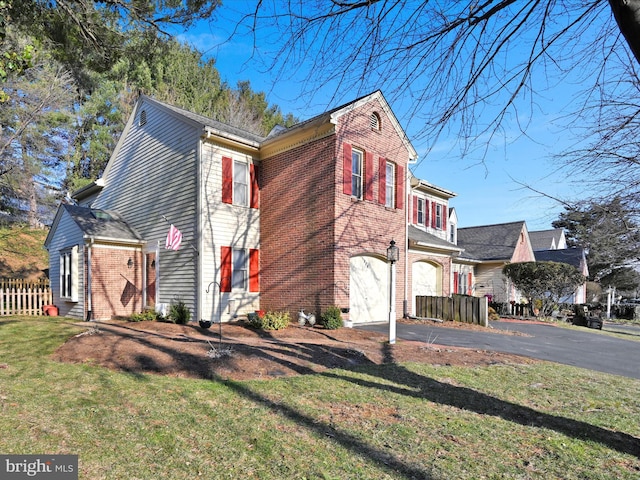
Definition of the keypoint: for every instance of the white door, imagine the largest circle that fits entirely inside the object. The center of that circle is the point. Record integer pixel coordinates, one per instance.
(425, 281)
(368, 289)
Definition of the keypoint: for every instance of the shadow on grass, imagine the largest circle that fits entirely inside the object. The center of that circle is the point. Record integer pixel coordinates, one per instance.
(143, 363)
(468, 399)
(403, 382)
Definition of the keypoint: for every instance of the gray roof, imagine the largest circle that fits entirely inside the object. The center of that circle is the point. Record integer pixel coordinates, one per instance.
(490, 242)
(543, 239)
(209, 122)
(102, 224)
(572, 256)
(429, 240)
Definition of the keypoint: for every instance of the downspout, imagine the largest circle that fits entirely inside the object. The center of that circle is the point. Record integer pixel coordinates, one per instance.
(405, 309)
(89, 304)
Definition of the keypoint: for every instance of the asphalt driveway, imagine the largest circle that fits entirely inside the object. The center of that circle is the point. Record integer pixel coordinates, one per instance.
(580, 346)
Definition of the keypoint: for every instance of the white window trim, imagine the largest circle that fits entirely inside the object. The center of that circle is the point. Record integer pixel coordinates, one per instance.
(390, 185)
(357, 157)
(245, 269)
(69, 273)
(245, 183)
(421, 202)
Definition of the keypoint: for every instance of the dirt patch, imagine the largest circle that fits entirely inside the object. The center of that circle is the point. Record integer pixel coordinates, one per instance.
(242, 353)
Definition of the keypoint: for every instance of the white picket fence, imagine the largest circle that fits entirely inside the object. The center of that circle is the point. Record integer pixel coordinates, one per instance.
(23, 298)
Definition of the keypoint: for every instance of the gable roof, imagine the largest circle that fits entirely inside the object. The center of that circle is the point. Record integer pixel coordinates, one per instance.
(102, 225)
(572, 256)
(214, 126)
(334, 114)
(490, 242)
(546, 239)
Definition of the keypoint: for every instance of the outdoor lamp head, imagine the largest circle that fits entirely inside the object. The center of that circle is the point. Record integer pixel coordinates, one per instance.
(393, 252)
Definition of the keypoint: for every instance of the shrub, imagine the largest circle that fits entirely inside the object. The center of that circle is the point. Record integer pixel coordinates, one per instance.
(273, 321)
(148, 315)
(180, 313)
(332, 318)
(254, 320)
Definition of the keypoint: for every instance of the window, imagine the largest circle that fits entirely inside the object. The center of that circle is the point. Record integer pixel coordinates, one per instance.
(462, 283)
(438, 216)
(239, 269)
(420, 209)
(356, 173)
(389, 184)
(240, 183)
(452, 233)
(142, 120)
(239, 272)
(69, 274)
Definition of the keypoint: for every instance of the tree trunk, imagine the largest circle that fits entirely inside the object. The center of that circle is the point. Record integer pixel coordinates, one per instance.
(627, 15)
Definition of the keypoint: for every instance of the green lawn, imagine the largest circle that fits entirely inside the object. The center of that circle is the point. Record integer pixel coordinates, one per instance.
(407, 421)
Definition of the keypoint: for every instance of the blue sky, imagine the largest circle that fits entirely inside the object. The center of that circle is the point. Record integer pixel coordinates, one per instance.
(487, 186)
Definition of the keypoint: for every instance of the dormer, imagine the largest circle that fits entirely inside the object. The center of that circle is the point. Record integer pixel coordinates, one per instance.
(429, 210)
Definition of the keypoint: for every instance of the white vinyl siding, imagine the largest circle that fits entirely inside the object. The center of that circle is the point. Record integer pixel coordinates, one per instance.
(69, 238)
(153, 182)
(224, 225)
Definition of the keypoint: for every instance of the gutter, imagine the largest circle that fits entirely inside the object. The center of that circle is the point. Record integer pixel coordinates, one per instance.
(210, 132)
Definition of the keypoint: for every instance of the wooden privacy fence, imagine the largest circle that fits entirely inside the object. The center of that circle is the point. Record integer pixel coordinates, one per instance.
(458, 308)
(21, 297)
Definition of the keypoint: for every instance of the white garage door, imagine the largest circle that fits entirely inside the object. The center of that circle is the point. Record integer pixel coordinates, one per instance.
(368, 289)
(425, 281)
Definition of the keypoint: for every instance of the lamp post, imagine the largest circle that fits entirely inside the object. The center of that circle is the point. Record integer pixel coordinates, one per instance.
(393, 253)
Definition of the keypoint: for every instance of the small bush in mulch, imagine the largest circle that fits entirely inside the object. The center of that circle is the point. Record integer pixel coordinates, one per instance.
(331, 319)
(180, 313)
(270, 321)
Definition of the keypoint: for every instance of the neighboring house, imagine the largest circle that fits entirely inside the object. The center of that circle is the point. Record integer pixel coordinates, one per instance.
(488, 248)
(548, 239)
(573, 256)
(298, 219)
(432, 233)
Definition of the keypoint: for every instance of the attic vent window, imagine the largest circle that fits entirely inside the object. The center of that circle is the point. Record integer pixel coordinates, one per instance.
(143, 118)
(375, 121)
(101, 215)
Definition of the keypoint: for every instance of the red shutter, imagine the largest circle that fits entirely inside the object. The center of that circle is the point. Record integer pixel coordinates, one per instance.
(399, 187)
(469, 280)
(444, 217)
(255, 189)
(455, 282)
(227, 180)
(346, 169)
(225, 269)
(254, 270)
(368, 176)
(415, 210)
(382, 181)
